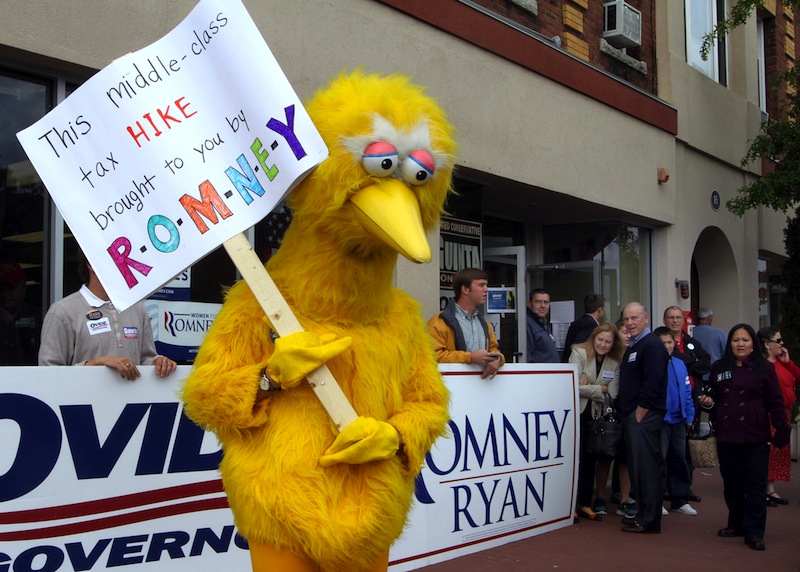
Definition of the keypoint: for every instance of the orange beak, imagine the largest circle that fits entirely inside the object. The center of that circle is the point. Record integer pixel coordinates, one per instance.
(389, 211)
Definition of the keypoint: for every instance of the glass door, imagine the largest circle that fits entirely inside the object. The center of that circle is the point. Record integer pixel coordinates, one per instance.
(568, 283)
(506, 268)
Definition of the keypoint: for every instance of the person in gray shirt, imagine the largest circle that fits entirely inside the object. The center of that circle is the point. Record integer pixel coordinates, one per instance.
(711, 338)
(86, 329)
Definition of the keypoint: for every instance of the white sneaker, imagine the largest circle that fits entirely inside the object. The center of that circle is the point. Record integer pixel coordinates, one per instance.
(664, 512)
(686, 509)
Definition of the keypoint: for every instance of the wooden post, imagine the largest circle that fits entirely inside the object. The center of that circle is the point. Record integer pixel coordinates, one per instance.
(285, 322)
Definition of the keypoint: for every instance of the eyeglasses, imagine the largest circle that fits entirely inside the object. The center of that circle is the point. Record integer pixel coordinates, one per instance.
(777, 341)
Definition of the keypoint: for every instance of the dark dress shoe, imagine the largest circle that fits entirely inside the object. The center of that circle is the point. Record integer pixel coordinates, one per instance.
(755, 543)
(693, 497)
(638, 529)
(628, 520)
(776, 499)
(728, 532)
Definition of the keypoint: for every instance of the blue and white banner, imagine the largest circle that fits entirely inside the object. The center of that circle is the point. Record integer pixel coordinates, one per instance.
(97, 472)
(181, 326)
(507, 471)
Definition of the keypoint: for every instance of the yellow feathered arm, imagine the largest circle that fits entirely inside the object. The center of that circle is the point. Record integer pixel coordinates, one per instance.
(220, 394)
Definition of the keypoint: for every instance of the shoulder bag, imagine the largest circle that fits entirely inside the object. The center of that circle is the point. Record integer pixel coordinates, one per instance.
(604, 434)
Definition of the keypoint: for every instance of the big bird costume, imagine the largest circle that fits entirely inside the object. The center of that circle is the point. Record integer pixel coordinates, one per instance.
(305, 498)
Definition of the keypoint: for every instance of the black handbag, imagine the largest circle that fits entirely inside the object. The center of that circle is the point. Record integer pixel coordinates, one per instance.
(604, 434)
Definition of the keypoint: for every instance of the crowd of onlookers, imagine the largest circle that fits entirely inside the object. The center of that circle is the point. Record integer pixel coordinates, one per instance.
(659, 381)
(656, 383)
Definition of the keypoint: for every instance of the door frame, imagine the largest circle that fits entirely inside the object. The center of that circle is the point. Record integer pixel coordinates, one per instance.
(500, 255)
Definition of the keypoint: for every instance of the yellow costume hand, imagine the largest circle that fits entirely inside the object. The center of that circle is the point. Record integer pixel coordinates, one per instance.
(364, 440)
(298, 354)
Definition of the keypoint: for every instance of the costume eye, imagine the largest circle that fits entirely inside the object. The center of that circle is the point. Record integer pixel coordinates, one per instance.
(418, 167)
(380, 159)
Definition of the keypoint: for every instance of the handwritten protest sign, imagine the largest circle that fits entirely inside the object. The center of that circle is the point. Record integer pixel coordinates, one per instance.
(178, 148)
(172, 150)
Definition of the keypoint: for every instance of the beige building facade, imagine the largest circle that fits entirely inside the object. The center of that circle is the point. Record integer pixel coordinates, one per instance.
(563, 158)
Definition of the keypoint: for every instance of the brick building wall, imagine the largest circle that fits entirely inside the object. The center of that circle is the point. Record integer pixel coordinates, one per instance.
(780, 55)
(579, 25)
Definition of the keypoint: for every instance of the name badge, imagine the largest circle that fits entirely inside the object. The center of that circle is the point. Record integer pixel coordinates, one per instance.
(100, 326)
(608, 376)
(130, 332)
(632, 357)
(724, 376)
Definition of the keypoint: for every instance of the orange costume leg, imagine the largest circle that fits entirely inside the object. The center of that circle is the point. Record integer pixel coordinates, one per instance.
(267, 558)
(381, 563)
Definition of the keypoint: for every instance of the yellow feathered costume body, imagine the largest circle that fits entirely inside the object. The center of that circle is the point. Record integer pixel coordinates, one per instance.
(335, 269)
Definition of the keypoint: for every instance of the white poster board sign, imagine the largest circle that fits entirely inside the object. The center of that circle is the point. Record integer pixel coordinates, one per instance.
(97, 472)
(171, 150)
(507, 471)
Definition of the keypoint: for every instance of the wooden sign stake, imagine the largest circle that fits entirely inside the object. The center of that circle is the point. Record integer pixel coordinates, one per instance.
(285, 322)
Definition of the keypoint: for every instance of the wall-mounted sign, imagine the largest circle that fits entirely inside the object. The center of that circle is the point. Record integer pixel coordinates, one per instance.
(179, 288)
(501, 300)
(459, 248)
(181, 327)
(715, 200)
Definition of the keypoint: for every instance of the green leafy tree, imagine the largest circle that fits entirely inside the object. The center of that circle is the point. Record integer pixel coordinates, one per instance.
(778, 140)
(790, 307)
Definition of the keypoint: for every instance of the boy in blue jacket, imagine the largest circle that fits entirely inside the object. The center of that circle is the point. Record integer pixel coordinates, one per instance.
(680, 415)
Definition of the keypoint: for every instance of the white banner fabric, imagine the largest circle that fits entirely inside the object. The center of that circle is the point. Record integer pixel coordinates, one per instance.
(97, 472)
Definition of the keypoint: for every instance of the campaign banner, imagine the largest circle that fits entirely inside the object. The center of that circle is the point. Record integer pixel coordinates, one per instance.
(508, 470)
(97, 472)
(171, 150)
(181, 327)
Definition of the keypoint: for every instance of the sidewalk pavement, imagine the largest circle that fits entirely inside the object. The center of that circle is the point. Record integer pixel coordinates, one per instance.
(686, 543)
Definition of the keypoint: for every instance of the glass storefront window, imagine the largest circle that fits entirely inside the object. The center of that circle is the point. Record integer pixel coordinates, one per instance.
(39, 256)
(38, 253)
(23, 215)
(612, 259)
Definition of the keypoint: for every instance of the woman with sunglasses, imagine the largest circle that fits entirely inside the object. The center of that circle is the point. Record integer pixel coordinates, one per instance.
(780, 461)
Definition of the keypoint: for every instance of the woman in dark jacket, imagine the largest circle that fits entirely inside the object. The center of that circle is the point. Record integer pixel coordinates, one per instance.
(745, 398)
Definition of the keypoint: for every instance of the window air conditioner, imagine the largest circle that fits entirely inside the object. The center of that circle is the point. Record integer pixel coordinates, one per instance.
(622, 24)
